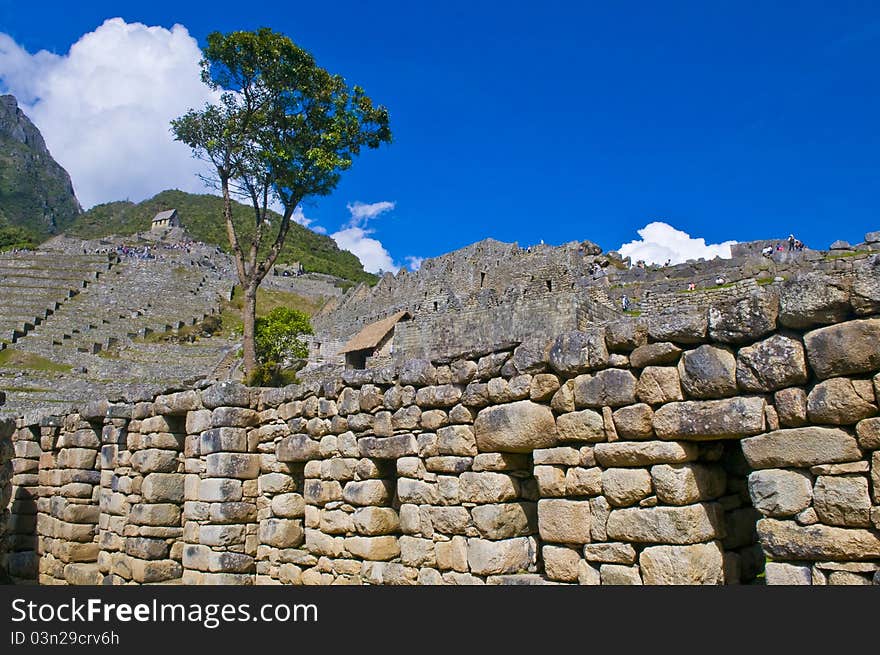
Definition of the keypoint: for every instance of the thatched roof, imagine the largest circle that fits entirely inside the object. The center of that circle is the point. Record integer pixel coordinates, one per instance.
(166, 215)
(371, 335)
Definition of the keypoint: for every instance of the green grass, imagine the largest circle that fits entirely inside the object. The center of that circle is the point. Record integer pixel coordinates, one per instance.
(761, 281)
(24, 389)
(201, 216)
(632, 312)
(847, 253)
(12, 358)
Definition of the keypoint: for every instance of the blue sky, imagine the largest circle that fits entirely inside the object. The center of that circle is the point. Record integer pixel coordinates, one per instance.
(567, 121)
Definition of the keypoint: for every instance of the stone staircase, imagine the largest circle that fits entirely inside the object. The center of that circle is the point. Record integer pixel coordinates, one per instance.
(34, 285)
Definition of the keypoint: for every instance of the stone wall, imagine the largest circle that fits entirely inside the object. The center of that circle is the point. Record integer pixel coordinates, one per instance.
(728, 445)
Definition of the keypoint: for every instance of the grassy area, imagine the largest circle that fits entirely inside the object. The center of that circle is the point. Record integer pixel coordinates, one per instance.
(761, 281)
(846, 253)
(12, 358)
(632, 312)
(24, 389)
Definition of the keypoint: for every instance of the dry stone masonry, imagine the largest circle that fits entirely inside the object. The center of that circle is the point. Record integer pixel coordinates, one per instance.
(731, 444)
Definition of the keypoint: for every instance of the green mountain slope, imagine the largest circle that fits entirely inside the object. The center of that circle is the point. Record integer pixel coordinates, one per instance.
(202, 217)
(36, 195)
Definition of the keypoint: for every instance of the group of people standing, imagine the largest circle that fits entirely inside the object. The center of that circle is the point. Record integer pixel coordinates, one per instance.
(794, 245)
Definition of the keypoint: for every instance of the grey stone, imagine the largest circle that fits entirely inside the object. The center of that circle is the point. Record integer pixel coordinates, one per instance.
(780, 493)
(771, 364)
(671, 525)
(655, 354)
(612, 388)
(838, 402)
(708, 372)
(710, 419)
(518, 427)
(577, 352)
(697, 564)
(800, 447)
(744, 320)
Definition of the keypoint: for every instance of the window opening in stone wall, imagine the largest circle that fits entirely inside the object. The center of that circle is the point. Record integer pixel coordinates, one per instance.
(482, 279)
(549, 285)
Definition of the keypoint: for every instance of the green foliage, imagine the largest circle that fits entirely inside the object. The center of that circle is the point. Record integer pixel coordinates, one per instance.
(277, 335)
(13, 236)
(271, 374)
(201, 216)
(12, 358)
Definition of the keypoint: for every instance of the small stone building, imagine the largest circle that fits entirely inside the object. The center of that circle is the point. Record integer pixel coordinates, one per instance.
(374, 342)
(165, 219)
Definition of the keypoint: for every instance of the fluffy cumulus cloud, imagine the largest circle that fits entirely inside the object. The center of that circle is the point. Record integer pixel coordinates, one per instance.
(414, 263)
(355, 237)
(104, 107)
(661, 242)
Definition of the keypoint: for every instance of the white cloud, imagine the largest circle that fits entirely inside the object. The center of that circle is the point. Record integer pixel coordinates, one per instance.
(104, 107)
(362, 212)
(371, 252)
(661, 242)
(414, 263)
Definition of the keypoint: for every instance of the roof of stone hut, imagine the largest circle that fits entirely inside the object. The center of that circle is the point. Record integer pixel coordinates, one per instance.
(371, 335)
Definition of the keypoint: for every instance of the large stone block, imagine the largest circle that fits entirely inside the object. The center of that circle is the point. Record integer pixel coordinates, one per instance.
(288, 506)
(586, 425)
(634, 422)
(241, 466)
(744, 320)
(680, 326)
(577, 352)
(163, 487)
(564, 521)
(786, 540)
(561, 563)
(683, 484)
(780, 573)
(626, 334)
(488, 487)
(457, 440)
(780, 493)
(505, 520)
(613, 387)
(814, 298)
(281, 533)
(223, 439)
(159, 514)
(868, 432)
(498, 557)
(655, 354)
(845, 349)
(444, 395)
(297, 448)
(708, 372)
(701, 420)
(377, 549)
(388, 447)
(800, 447)
(842, 500)
(372, 521)
(791, 407)
(667, 525)
(626, 453)
(518, 427)
(658, 385)
(625, 486)
(369, 492)
(699, 564)
(771, 364)
(838, 401)
(226, 394)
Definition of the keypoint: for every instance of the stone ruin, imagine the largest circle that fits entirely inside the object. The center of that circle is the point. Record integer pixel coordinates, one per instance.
(734, 441)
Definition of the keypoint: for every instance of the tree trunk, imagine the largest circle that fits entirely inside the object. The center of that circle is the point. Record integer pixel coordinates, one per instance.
(249, 318)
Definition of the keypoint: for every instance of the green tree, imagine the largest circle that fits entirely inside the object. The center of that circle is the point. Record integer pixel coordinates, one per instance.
(277, 335)
(282, 130)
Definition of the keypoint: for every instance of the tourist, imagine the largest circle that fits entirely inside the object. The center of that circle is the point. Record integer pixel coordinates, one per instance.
(624, 301)
(719, 280)
(790, 242)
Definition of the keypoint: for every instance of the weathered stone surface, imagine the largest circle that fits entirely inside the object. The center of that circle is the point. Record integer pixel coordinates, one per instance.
(786, 540)
(560, 563)
(683, 484)
(564, 521)
(671, 525)
(163, 487)
(838, 402)
(373, 548)
(226, 394)
(791, 407)
(617, 575)
(842, 500)
(744, 320)
(583, 481)
(153, 461)
(584, 426)
(779, 573)
(800, 447)
(532, 356)
(655, 354)
(708, 372)
(297, 448)
(710, 419)
(161, 514)
(516, 427)
(368, 492)
(578, 352)
(444, 395)
(780, 493)
(623, 487)
(612, 387)
(814, 298)
(281, 533)
(505, 520)
(659, 384)
(644, 453)
(771, 364)
(634, 422)
(388, 447)
(497, 557)
(418, 373)
(868, 432)
(288, 506)
(681, 326)
(550, 481)
(625, 335)
(699, 564)
(242, 466)
(457, 440)
(845, 349)
(488, 487)
(373, 521)
(611, 553)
